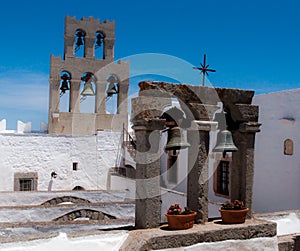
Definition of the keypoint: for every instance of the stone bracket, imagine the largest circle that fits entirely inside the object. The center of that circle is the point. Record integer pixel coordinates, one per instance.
(249, 127)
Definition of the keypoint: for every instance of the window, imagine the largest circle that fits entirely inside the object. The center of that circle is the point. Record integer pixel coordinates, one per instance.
(25, 181)
(172, 172)
(288, 147)
(221, 184)
(75, 166)
(26, 185)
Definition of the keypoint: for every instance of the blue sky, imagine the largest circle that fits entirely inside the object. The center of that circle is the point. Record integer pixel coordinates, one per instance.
(251, 44)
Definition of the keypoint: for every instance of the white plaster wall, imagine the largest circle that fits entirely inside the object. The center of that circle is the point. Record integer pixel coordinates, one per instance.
(277, 176)
(43, 153)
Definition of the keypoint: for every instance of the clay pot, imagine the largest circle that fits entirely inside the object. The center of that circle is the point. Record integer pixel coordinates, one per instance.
(233, 216)
(181, 221)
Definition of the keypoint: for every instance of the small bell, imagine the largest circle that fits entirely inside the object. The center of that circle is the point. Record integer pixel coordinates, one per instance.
(88, 90)
(225, 142)
(176, 140)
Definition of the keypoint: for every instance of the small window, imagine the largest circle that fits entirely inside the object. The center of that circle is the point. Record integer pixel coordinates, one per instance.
(221, 185)
(25, 181)
(288, 147)
(75, 166)
(26, 185)
(172, 172)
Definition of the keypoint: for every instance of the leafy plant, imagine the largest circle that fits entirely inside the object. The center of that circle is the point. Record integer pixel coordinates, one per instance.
(235, 205)
(175, 209)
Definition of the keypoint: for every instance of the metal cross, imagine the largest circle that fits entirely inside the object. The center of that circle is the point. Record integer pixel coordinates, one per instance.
(204, 69)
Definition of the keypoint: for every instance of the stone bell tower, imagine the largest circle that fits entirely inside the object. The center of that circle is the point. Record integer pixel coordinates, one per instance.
(87, 76)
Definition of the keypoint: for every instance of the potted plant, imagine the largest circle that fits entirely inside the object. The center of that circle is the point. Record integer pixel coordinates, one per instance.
(233, 212)
(178, 219)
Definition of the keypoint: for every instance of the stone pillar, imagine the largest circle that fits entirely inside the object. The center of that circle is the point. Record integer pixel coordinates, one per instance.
(75, 96)
(242, 172)
(148, 199)
(89, 47)
(100, 96)
(197, 190)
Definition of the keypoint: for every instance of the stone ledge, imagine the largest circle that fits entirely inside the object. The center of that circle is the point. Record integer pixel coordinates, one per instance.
(162, 238)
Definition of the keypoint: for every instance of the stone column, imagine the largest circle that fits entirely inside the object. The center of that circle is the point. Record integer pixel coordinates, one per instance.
(197, 190)
(148, 199)
(89, 47)
(75, 96)
(242, 172)
(100, 96)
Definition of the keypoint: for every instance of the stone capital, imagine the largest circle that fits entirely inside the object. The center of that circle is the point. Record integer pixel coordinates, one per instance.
(148, 124)
(249, 127)
(203, 111)
(204, 125)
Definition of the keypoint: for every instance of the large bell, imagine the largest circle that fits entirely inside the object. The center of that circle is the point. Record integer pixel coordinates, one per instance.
(225, 142)
(88, 90)
(111, 90)
(64, 86)
(176, 140)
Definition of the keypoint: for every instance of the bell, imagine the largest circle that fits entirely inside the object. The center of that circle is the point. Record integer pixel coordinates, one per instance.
(176, 140)
(111, 90)
(225, 142)
(88, 90)
(64, 86)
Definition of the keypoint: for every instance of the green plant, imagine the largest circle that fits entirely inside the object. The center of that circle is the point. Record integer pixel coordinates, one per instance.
(175, 209)
(235, 205)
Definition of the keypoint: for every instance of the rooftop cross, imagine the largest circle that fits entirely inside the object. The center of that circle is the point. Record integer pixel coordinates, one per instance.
(204, 69)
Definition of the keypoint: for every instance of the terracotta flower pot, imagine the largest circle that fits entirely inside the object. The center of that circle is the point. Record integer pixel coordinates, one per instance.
(233, 216)
(181, 221)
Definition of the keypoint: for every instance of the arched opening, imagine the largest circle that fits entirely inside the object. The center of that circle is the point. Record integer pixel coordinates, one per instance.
(79, 43)
(87, 92)
(112, 91)
(99, 45)
(65, 83)
(78, 188)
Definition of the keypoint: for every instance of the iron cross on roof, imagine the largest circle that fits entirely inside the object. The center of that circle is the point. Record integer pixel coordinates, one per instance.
(204, 69)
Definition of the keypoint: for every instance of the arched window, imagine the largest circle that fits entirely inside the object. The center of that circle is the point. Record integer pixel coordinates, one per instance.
(65, 84)
(79, 43)
(288, 147)
(112, 91)
(99, 45)
(87, 87)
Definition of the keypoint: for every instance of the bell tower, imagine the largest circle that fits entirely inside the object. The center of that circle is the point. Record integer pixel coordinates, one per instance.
(88, 90)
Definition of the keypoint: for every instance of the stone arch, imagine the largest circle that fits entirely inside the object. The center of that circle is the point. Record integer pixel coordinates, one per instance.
(84, 213)
(59, 200)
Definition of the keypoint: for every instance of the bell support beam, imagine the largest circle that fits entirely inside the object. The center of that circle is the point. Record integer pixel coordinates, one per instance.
(148, 198)
(197, 190)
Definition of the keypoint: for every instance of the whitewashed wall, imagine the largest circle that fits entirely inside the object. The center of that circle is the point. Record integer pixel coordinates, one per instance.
(277, 176)
(44, 154)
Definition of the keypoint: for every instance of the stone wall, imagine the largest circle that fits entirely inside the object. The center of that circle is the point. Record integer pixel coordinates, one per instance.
(43, 154)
